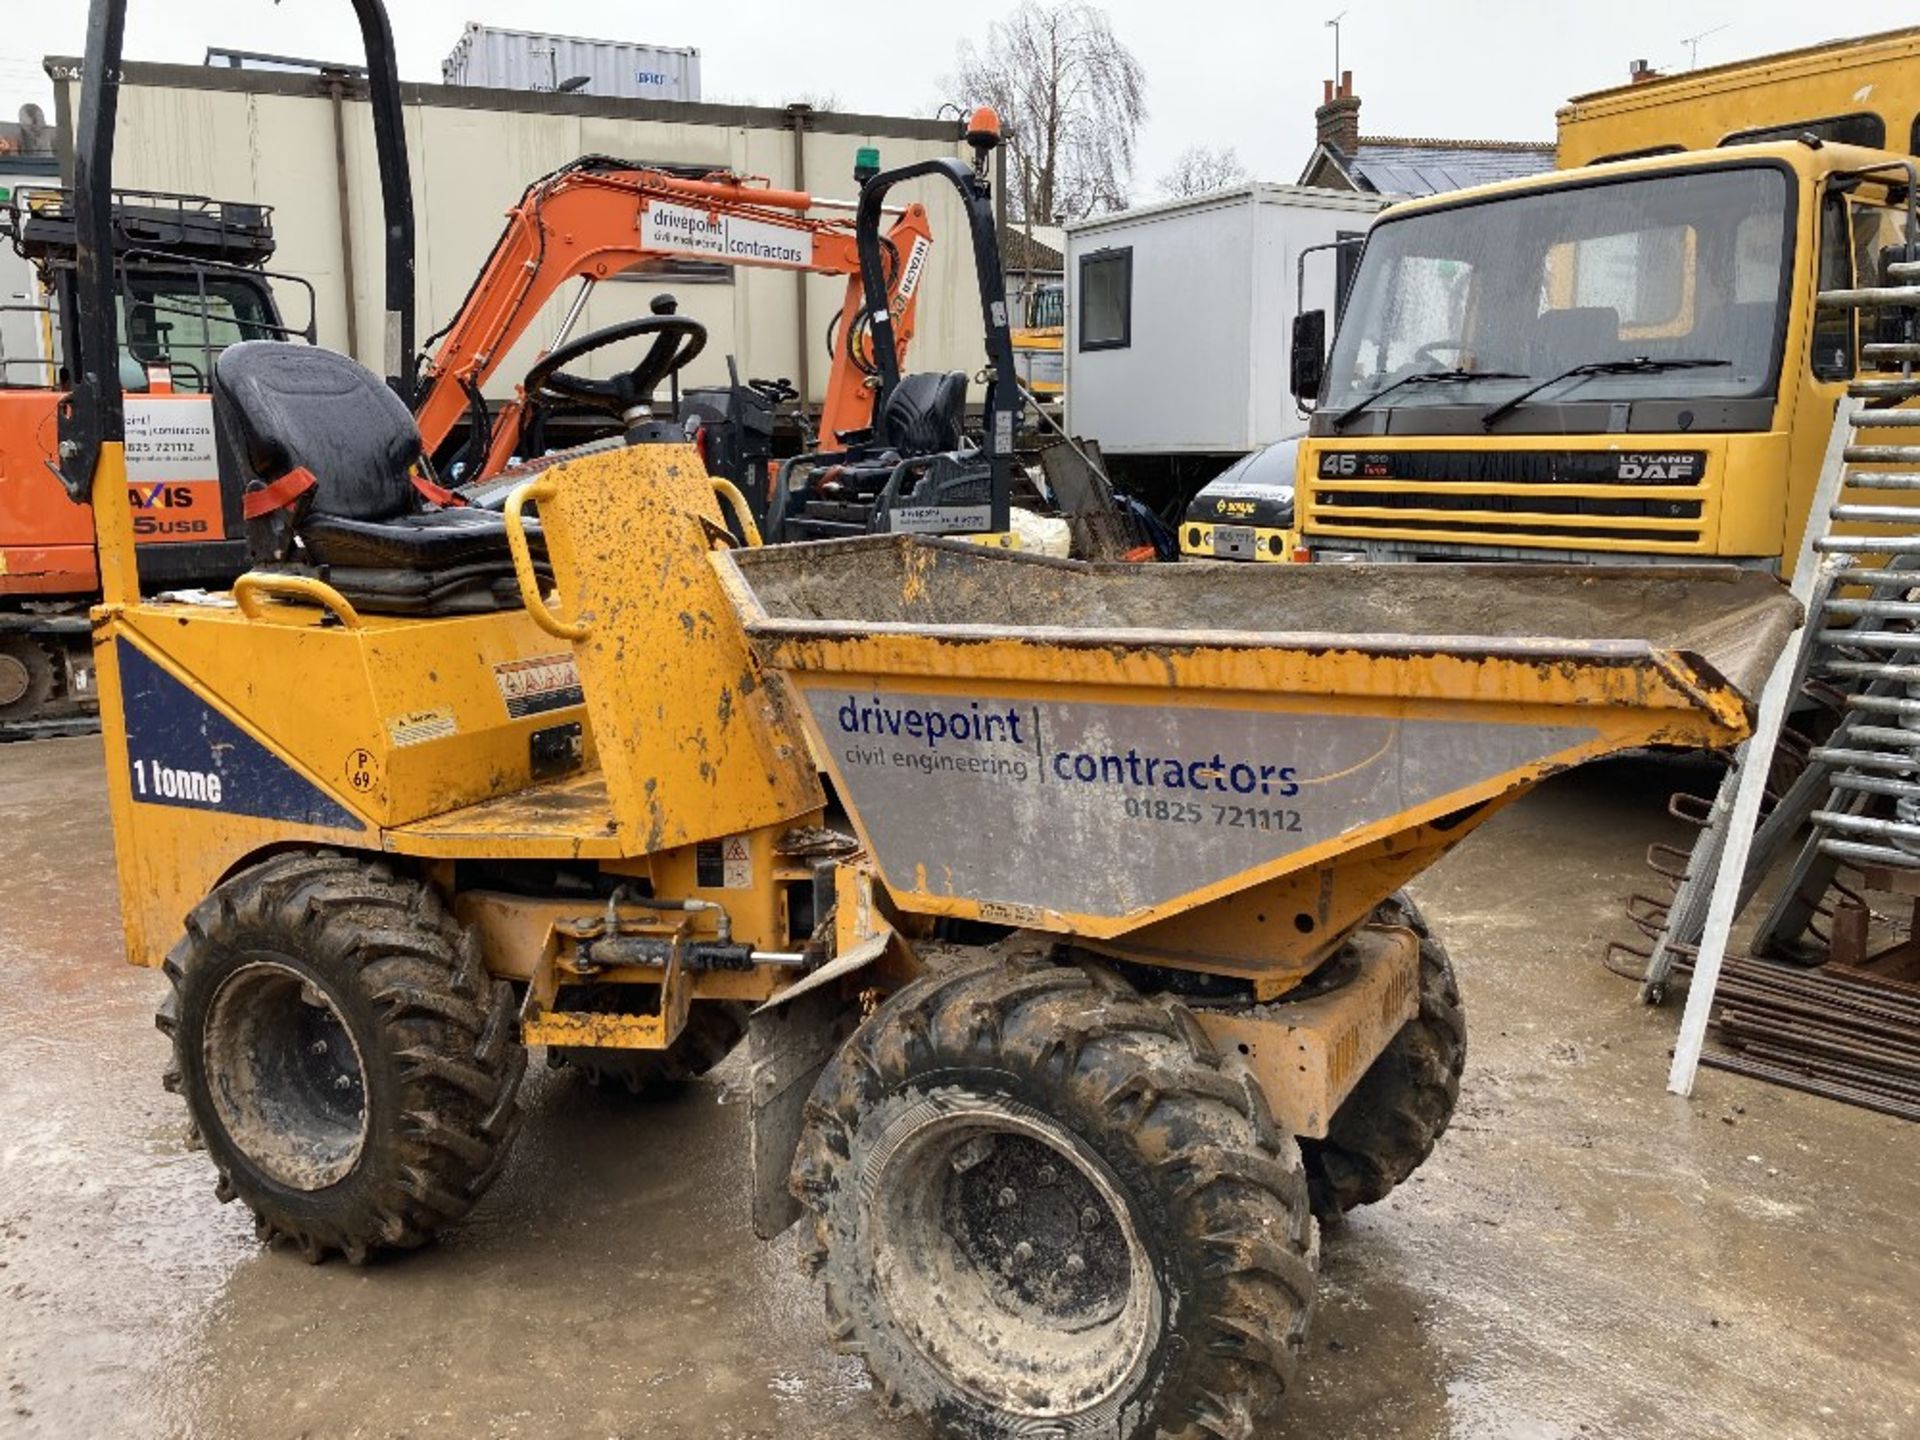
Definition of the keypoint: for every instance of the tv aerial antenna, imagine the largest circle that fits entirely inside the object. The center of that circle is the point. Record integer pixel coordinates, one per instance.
(1692, 42)
(1334, 25)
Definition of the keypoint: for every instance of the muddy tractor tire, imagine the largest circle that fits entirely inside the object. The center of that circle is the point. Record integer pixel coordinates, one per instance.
(1042, 1204)
(345, 1056)
(1388, 1126)
(713, 1029)
(27, 678)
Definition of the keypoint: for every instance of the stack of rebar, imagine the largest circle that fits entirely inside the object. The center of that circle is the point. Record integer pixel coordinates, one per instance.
(1846, 1034)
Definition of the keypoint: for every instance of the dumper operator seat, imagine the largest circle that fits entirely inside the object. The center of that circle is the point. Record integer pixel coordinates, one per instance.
(914, 459)
(327, 463)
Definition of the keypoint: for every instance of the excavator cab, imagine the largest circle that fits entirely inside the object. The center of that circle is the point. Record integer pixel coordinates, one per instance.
(916, 471)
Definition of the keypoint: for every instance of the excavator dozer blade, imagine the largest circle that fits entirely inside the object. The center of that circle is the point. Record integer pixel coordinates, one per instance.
(1090, 748)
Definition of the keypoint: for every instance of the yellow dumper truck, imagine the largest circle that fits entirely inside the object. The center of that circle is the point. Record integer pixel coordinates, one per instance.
(1064, 898)
(1625, 360)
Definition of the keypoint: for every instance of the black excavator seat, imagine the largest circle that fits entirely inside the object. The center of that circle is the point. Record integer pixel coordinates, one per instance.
(327, 462)
(925, 413)
(911, 462)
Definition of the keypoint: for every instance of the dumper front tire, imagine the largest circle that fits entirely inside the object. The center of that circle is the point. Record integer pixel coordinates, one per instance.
(345, 1056)
(1388, 1126)
(1044, 1205)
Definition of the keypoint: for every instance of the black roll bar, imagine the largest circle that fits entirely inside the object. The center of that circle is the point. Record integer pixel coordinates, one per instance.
(396, 192)
(91, 413)
(1002, 408)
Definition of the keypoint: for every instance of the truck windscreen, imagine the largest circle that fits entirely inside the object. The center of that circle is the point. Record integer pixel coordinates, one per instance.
(1668, 268)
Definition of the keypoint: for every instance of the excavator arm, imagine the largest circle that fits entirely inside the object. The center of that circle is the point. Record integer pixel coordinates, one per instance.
(596, 218)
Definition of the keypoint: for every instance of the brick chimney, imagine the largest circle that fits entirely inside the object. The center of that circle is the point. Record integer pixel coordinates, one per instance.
(1337, 121)
(1639, 72)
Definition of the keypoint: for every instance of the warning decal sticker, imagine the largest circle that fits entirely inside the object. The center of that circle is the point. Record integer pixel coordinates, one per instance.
(419, 726)
(723, 864)
(539, 684)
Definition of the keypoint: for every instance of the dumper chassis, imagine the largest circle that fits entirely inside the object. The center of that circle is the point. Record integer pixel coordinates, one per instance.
(1064, 898)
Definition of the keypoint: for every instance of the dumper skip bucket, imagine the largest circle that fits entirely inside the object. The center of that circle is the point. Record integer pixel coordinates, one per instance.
(1090, 748)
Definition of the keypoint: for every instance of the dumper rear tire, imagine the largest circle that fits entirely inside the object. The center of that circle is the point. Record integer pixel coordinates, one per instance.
(1388, 1126)
(713, 1029)
(1043, 1204)
(346, 1058)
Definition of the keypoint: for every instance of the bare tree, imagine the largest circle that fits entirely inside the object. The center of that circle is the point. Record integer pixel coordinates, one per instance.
(1200, 170)
(1071, 97)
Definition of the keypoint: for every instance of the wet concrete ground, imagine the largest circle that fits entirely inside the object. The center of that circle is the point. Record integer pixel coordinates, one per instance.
(1584, 1256)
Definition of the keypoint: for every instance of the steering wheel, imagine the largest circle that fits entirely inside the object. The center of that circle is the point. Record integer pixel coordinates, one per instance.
(677, 339)
(1425, 352)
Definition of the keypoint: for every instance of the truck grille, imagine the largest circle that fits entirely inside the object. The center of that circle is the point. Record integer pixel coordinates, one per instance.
(1557, 498)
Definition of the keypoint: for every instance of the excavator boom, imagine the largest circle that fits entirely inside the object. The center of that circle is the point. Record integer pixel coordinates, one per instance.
(598, 217)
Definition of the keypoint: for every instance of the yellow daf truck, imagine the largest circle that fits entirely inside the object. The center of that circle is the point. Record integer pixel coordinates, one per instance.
(1625, 359)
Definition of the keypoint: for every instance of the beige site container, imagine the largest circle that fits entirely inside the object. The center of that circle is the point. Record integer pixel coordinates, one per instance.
(280, 139)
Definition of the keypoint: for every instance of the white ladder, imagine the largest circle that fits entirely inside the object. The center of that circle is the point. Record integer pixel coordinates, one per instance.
(1860, 642)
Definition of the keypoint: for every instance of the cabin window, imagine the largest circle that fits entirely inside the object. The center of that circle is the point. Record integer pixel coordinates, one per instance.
(184, 321)
(1879, 238)
(1867, 130)
(1346, 260)
(1833, 328)
(1106, 299)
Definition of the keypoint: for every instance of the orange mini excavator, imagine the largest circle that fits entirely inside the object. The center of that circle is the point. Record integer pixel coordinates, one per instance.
(190, 278)
(890, 454)
(599, 217)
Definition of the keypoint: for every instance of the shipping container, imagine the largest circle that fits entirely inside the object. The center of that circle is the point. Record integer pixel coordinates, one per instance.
(285, 140)
(498, 59)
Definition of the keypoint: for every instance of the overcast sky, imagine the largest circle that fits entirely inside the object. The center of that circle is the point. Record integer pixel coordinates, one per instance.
(1219, 72)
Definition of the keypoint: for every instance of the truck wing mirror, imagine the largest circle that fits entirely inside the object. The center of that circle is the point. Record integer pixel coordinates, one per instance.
(1309, 366)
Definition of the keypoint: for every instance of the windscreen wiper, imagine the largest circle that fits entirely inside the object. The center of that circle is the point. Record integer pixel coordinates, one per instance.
(1639, 365)
(1423, 377)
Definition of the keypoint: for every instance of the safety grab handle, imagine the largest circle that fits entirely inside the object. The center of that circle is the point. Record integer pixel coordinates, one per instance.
(730, 498)
(536, 491)
(250, 587)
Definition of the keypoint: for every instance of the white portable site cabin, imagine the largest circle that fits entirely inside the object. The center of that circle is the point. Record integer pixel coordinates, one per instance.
(1180, 315)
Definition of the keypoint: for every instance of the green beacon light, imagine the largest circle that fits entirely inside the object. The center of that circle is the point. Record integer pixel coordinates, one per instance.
(866, 163)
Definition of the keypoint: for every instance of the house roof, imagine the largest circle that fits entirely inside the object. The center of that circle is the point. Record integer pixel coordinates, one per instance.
(1014, 254)
(1390, 165)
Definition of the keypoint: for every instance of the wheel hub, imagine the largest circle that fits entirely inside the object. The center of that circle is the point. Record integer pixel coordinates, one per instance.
(285, 1075)
(1007, 1256)
(1038, 1232)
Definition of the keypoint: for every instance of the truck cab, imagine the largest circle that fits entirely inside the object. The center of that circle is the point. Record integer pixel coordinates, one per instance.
(1621, 362)
(1626, 361)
